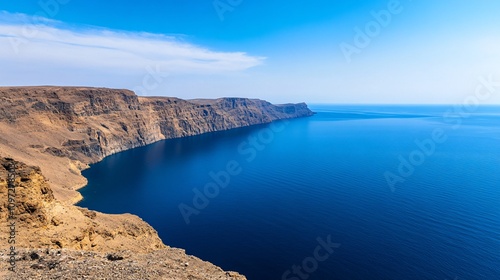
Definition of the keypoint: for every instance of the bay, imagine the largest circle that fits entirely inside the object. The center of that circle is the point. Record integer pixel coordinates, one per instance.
(305, 181)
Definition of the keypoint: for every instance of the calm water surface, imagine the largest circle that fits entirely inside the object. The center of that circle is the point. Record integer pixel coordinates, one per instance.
(325, 177)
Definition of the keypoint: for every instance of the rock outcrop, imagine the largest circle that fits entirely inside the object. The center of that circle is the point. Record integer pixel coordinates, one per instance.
(44, 222)
(59, 131)
(55, 241)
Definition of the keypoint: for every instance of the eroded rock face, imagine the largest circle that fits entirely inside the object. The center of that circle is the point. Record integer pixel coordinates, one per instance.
(43, 222)
(63, 130)
(106, 121)
(32, 194)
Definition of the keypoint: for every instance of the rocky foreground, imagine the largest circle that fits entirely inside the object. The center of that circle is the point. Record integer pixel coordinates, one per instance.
(50, 134)
(66, 264)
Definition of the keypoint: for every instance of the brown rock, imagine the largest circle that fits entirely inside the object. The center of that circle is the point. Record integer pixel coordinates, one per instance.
(64, 129)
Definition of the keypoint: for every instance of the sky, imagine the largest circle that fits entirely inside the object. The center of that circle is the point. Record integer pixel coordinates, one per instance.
(318, 51)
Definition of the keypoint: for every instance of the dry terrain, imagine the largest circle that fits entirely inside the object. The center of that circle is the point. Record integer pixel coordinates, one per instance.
(53, 133)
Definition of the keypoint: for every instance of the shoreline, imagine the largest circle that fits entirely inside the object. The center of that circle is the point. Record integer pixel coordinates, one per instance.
(81, 197)
(65, 130)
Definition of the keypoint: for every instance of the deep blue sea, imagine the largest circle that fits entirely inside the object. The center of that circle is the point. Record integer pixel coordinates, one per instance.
(354, 192)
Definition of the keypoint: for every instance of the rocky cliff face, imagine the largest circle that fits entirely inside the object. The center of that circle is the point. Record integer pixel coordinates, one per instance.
(63, 130)
(74, 127)
(44, 222)
(58, 235)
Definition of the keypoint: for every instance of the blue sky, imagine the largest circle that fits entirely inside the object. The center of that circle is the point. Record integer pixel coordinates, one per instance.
(283, 51)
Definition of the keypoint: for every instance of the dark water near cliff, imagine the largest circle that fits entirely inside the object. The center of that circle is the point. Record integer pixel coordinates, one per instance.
(323, 177)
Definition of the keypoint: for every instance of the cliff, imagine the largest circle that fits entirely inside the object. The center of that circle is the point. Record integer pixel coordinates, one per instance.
(55, 241)
(64, 129)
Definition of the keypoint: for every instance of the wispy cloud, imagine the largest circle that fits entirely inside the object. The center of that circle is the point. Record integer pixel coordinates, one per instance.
(45, 45)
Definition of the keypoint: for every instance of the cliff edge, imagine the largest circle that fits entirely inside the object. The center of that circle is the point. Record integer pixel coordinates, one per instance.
(52, 133)
(64, 129)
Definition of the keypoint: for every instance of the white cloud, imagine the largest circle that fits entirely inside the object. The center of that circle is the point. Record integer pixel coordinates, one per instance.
(49, 49)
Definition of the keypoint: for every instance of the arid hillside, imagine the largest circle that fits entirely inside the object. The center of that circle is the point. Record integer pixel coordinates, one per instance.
(50, 134)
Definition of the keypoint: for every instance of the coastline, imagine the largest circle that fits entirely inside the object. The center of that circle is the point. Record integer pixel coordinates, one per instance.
(64, 130)
(78, 187)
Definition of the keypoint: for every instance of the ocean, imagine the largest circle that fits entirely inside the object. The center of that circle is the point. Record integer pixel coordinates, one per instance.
(353, 192)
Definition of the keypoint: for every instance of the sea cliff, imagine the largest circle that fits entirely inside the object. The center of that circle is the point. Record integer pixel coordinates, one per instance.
(52, 133)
